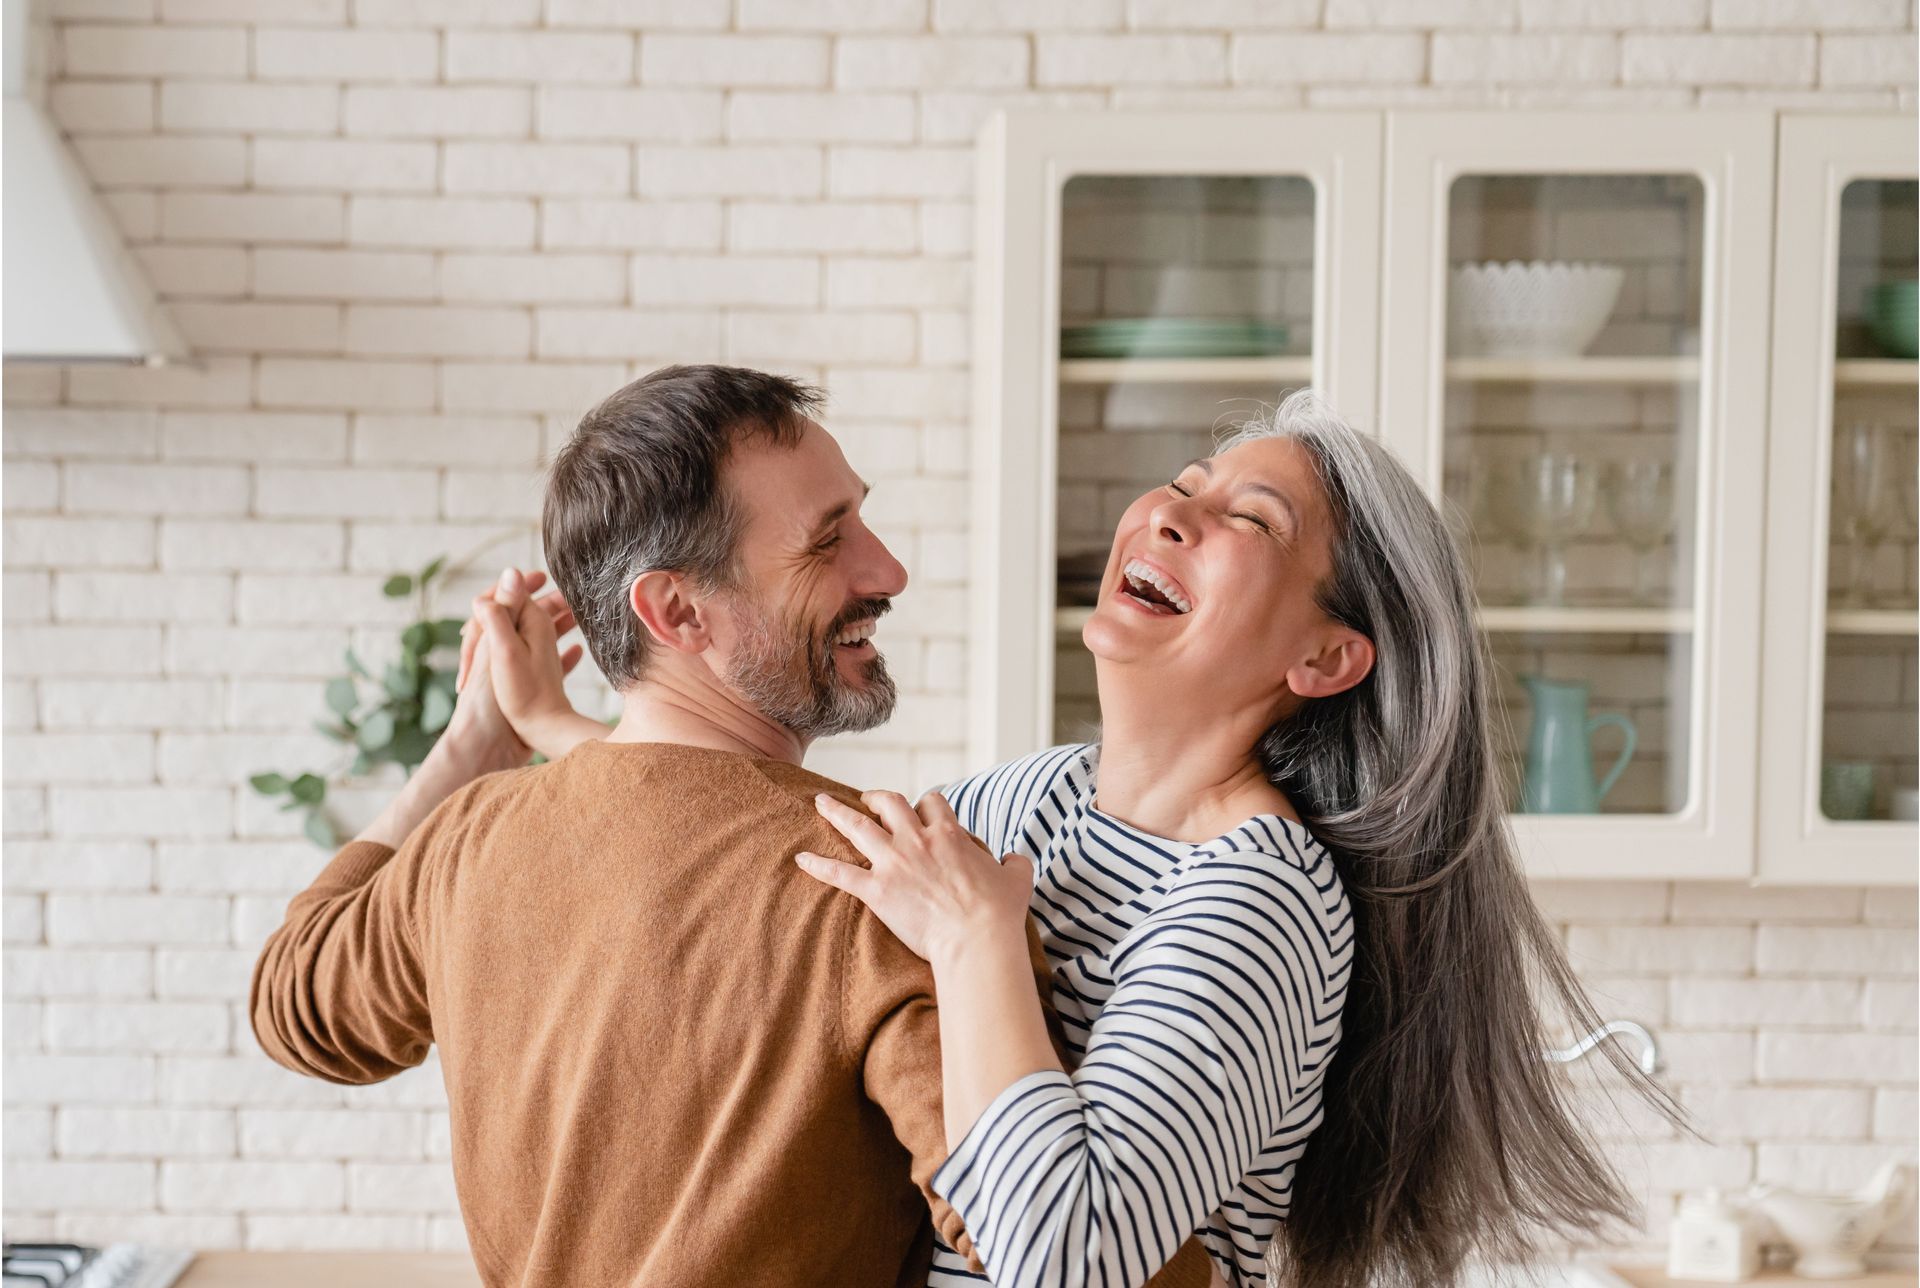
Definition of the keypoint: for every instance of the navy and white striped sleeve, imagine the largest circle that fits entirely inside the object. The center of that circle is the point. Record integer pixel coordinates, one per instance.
(994, 803)
(1224, 1014)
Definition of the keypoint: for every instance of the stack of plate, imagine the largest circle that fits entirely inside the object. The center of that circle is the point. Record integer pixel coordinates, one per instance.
(1173, 338)
(1895, 319)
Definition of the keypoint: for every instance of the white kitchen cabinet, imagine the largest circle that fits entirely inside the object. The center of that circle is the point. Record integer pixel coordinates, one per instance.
(1089, 216)
(1529, 451)
(1610, 487)
(1838, 722)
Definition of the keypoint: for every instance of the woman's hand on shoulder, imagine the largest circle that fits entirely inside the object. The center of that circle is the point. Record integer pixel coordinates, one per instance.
(933, 884)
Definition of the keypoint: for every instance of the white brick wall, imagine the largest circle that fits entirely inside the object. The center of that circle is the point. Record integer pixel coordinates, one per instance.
(415, 242)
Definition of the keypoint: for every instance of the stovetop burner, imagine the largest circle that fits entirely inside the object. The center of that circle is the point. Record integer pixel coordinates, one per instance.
(75, 1265)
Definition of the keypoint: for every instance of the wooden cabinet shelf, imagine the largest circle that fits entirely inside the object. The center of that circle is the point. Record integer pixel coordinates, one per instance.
(1873, 621)
(1855, 372)
(1576, 370)
(1285, 369)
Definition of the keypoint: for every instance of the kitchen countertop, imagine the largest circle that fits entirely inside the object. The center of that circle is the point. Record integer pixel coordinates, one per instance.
(454, 1270)
(1655, 1277)
(330, 1270)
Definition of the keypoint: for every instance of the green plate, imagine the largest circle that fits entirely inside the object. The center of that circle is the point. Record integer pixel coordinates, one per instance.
(1173, 338)
(1895, 321)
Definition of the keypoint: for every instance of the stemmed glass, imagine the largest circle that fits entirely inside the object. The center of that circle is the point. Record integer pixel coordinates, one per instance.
(1640, 502)
(1866, 500)
(1907, 468)
(1545, 498)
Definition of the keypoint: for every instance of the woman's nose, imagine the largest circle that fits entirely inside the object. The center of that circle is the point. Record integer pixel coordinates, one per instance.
(1171, 521)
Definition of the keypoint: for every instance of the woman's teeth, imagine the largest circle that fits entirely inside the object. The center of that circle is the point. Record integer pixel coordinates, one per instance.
(1146, 583)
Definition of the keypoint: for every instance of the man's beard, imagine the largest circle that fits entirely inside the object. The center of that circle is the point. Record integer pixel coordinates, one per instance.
(791, 673)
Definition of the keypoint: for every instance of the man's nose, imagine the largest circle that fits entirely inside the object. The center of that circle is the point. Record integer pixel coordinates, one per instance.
(881, 575)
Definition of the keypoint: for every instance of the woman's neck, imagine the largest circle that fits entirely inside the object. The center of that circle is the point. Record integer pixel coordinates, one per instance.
(1180, 775)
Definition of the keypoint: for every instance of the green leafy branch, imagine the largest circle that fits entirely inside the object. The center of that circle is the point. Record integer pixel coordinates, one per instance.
(393, 719)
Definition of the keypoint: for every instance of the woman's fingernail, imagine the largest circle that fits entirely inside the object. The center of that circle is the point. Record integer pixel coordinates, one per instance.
(508, 576)
(803, 858)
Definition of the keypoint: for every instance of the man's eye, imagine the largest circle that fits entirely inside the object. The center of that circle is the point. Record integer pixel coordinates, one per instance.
(1178, 490)
(828, 544)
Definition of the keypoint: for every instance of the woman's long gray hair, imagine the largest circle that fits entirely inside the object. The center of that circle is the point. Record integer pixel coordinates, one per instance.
(1446, 1134)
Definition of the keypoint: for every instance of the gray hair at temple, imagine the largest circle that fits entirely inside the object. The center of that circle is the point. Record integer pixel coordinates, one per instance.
(1447, 1135)
(639, 487)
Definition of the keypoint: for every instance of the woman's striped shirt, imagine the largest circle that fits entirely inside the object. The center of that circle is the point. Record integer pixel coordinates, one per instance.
(1200, 987)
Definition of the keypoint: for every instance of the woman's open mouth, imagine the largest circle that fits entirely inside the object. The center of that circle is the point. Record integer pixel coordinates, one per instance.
(1153, 589)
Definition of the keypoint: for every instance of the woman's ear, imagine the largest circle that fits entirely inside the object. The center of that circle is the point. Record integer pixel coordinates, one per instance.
(671, 614)
(1346, 660)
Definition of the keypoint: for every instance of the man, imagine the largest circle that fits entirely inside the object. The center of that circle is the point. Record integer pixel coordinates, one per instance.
(672, 1058)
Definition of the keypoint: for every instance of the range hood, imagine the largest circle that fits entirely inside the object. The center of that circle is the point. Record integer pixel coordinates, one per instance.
(69, 289)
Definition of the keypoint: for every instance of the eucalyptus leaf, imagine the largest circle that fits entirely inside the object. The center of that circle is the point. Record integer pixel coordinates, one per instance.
(356, 666)
(342, 695)
(435, 710)
(398, 586)
(309, 789)
(342, 732)
(446, 632)
(410, 745)
(418, 638)
(432, 570)
(361, 764)
(320, 830)
(269, 784)
(444, 680)
(403, 680)
(377, 732)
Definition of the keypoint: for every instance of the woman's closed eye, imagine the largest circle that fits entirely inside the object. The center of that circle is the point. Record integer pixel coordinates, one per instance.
(1178, 489)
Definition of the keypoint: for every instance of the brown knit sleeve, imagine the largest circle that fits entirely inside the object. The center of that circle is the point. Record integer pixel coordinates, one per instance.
(339, 991)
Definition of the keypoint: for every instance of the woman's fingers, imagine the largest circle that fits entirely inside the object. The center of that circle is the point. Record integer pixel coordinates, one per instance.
(933, 810)
(867, 836)
(570, 659)
(894, 812)
(841, 875)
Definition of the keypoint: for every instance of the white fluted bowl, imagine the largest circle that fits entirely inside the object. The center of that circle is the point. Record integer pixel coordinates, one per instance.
(1536, 309)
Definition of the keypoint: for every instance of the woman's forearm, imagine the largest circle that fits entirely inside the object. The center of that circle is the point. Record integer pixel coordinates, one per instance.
(555, 735)
(992, 1030)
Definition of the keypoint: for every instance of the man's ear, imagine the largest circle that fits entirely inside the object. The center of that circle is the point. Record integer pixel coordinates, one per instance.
(673, 616)
(1343, 662)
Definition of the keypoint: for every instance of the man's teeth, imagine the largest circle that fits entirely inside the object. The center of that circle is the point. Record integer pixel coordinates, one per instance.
(858, 633)
(1139, 574)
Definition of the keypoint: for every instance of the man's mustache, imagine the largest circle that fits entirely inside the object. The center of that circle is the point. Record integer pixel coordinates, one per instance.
(858, 611)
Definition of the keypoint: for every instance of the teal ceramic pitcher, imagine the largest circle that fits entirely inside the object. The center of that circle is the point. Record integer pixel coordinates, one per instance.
(1560, 750)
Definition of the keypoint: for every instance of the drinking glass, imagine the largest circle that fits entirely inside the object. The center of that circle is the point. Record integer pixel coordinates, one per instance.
(1545, 498)
(1640, 502)
(1866, 499)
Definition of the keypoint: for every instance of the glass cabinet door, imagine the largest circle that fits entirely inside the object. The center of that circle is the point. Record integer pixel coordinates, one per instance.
(1141, 281)
(1561, 376)
(1840, 750)
(1186, 302)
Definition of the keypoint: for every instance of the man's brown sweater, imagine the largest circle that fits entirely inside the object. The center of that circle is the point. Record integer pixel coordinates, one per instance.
(672, 1057)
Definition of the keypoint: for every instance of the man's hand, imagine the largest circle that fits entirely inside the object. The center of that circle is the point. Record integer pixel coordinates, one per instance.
(528, 669)
(478, 740)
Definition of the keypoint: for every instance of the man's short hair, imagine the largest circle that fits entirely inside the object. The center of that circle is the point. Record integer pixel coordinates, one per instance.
(638, 488)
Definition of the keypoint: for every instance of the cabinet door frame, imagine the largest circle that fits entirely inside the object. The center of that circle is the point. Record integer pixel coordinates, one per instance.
(1024, 160)
(1819, 156)
(1731, 153)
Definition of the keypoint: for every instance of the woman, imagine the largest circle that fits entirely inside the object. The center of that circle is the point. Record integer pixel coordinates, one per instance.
(1291, 947)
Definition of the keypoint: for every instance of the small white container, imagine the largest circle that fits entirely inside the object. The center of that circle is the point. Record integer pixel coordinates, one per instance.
(1713, 1240)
